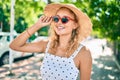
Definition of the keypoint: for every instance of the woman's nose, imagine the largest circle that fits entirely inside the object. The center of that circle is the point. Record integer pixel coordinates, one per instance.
(59, 22)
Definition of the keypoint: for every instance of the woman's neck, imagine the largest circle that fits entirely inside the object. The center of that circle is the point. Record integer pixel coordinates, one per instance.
(64, 41)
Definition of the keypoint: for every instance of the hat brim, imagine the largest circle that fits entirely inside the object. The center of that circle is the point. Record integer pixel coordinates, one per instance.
(83, 20)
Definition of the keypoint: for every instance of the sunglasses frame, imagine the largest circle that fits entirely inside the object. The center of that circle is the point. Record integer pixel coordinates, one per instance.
(61, 19)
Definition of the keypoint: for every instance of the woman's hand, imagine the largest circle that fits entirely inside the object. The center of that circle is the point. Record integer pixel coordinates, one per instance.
(44, 21)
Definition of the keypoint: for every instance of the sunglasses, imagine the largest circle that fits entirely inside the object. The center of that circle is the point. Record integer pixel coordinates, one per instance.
(64, 19)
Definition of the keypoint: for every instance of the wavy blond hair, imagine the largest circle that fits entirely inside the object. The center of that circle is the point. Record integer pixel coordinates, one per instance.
(73, 42)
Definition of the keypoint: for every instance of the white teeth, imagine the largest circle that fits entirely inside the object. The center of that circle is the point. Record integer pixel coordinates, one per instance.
(60, 27)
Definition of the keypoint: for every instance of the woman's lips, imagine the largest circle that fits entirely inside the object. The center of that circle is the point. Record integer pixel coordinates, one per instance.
(60, 27)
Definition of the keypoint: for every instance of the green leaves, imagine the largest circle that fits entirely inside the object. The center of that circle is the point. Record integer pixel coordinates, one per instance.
(26, 13)
(105, 15)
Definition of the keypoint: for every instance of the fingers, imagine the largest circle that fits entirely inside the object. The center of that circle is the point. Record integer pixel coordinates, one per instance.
(46, 19)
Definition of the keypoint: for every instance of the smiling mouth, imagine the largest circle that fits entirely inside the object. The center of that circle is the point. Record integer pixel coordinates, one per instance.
(60, 27)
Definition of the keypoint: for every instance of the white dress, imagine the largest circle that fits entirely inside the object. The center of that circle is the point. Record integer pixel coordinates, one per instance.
(59, 68)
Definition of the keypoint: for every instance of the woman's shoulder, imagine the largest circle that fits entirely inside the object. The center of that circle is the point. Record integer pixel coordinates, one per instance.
(85, 50)
(85, 53)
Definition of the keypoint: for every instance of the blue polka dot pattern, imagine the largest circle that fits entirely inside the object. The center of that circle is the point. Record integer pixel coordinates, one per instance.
(59, 68)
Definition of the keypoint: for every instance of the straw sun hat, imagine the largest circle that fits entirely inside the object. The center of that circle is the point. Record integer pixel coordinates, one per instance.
(83, 20)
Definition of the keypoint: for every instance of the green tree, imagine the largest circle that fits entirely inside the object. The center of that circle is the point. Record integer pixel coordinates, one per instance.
(5, 15)
(106, 19)
(104, 15)
(26, 13)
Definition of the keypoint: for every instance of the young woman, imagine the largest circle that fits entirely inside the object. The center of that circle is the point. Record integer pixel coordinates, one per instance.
(65, 56)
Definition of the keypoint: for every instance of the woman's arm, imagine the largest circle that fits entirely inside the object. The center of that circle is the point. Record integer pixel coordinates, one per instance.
(85, 64)
(19, 43)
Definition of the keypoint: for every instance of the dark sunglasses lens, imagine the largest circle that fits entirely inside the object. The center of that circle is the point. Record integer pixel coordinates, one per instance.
(64, 20)
(55, 19)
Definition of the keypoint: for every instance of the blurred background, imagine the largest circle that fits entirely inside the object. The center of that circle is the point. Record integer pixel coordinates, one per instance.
(104, 42)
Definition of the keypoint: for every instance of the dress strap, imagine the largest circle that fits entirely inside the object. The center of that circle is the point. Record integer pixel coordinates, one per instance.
(76, 51)
(47, 47)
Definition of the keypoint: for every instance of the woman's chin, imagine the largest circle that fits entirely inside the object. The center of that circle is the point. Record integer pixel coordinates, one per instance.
(60, 34)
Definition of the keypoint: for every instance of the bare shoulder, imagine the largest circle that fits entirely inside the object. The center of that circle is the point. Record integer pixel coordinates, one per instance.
(85, 63)
(85, 54)
(85, 51)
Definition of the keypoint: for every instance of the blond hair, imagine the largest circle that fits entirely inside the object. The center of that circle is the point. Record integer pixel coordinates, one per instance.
(73, 42)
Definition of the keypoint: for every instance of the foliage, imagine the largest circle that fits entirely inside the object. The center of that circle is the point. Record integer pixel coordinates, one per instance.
(103, 13)
(106, 19)
(5, 15)
(26, 14)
